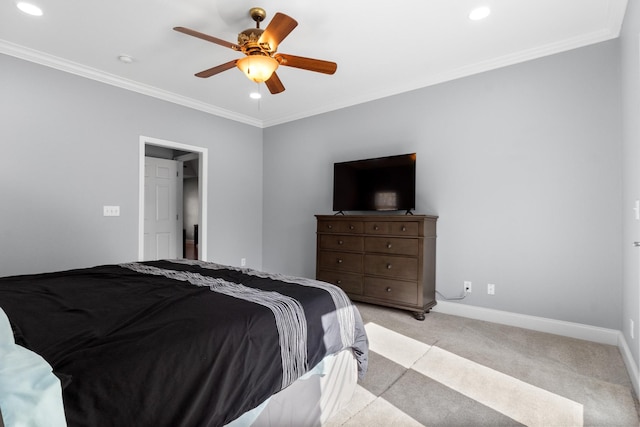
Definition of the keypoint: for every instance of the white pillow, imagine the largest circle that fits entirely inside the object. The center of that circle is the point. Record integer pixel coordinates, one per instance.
(30, 394)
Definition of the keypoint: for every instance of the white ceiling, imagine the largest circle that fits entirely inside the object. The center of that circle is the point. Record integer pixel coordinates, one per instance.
(382, 48)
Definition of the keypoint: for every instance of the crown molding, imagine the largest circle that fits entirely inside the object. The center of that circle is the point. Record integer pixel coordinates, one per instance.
(614, 23)
(103, 77)
(495, 63)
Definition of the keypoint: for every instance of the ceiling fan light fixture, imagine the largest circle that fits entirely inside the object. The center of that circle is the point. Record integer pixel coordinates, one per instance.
(259, 47)
(257, 68)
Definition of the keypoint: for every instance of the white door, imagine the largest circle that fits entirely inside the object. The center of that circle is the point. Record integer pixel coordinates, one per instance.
(162, 209)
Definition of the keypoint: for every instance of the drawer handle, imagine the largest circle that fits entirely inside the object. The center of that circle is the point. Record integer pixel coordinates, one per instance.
(329, 226)
(339, 261)
(404, 228)
(340, 242)
(375, 227)
(388, 245)
(351, 227)
(338, 282)
(388, 289)
(388, 266)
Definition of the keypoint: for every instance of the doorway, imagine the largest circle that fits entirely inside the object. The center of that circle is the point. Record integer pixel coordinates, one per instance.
(195, 158)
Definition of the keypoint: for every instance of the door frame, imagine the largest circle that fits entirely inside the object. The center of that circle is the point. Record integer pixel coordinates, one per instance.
(203, 167)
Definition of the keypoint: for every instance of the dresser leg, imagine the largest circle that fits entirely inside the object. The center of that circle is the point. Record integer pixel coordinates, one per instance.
(419, 315)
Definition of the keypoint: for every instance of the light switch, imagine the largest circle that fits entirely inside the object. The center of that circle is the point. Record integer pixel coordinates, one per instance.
(111, 210)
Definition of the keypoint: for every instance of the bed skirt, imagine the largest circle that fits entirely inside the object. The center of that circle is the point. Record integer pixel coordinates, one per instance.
(312, 399)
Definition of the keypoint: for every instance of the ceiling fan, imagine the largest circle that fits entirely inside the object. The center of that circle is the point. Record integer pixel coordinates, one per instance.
(260, 47)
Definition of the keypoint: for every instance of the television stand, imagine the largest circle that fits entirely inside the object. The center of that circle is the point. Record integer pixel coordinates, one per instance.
(387, 260)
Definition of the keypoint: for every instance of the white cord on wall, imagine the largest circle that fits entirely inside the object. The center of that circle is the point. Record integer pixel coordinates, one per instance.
(463, 296)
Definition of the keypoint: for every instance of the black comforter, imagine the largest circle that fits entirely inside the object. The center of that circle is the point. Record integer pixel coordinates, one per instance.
(176, 343)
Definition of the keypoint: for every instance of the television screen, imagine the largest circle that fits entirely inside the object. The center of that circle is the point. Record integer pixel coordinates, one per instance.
(381, 184)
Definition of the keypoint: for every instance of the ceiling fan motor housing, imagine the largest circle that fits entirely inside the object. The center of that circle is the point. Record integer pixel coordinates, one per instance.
(249, 41)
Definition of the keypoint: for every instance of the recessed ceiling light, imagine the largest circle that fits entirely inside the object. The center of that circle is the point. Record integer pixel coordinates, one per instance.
(125, 58)
(479, 13)
(255, 95)
(29, 8)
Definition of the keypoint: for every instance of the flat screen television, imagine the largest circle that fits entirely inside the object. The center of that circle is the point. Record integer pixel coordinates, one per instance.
(380, 184)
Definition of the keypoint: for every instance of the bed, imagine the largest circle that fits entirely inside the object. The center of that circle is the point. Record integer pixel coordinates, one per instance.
(177, 343)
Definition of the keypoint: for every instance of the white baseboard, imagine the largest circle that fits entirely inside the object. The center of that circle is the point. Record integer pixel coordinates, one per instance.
(627, 357)
(541, 324)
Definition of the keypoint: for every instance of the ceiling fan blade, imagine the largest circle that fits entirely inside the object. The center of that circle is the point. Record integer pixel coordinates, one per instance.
(218, 69)
(274, 84)
(279, 28)
(207, 37)
(310, 64)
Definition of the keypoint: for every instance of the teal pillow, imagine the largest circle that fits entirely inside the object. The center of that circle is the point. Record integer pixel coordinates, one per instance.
(30, 394)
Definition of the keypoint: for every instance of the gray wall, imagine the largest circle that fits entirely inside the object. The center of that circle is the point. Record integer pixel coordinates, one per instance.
(69, 145)
(522, 165)
(630, 54)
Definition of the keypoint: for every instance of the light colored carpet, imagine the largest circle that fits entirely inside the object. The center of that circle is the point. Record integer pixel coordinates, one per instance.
(454, 371)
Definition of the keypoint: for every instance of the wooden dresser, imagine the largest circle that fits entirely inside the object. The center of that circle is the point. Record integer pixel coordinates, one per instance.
(380, 259)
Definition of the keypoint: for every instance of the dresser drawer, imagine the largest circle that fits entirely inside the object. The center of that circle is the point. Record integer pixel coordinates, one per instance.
(341, 261)
(404, 228)
(392, 245)
(341, 242)
(379, 259)
(391, 266)
(348, 282)
(391, 290)
(337, 226)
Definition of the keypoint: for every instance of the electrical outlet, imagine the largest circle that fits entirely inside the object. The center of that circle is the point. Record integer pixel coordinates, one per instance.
(631, 331)
(491, 289)
(467, 286)
(111, 210)
(243, 262)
